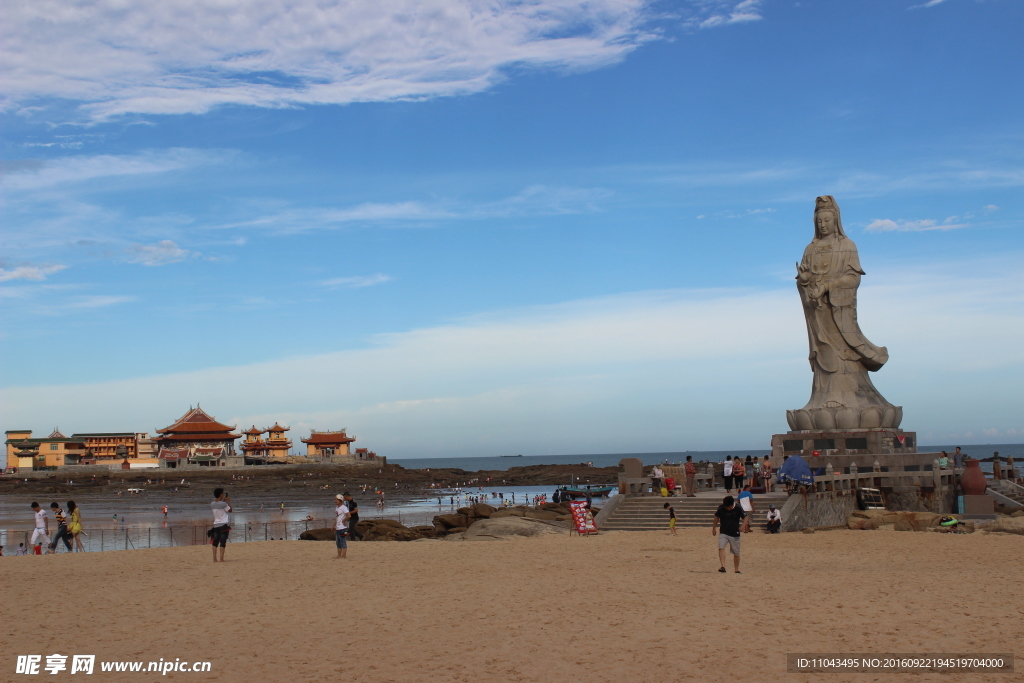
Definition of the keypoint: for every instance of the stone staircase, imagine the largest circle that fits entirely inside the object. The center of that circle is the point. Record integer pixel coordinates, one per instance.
(1010, 490)
(646, 513)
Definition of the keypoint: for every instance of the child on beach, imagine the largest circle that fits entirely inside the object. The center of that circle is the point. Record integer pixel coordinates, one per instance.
(671, 518)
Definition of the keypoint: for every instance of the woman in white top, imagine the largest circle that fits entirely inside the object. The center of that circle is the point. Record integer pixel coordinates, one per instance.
(341, 526)
(727, 473)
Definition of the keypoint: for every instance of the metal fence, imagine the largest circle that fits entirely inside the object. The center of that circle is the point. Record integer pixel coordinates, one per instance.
(133, 538)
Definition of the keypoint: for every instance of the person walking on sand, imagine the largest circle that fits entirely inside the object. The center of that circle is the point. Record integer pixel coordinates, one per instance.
(42, 530)
(729, 515)
(342, 517)
(75, 516)
(690, 470)
(221, 507)
(62, 529)
(727, 474)
(671, 518)
(353, 516)
(747, 503)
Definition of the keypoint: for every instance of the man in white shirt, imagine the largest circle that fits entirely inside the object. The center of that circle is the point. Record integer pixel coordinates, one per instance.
(221, 506)
(42, 529)
(774, 520)
(727, 473)
(341, 526)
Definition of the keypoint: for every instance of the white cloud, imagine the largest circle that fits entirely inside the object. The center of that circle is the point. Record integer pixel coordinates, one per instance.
(990, 208)
(121, 56)
(647, 371)
(888, 225)
(729, 13)
(159, 254)
(98, 301)
(930, 3)
(357, 281)
(33, 174)
(35, 273)
(535, 200)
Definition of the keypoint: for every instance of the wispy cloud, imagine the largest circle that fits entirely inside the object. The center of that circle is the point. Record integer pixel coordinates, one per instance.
(159, 254)
(35, 273)
(32, 174)
(924, 225)
(930, 3)
(535, 200)
(99, 301)
(729, 13)
(301, 52)
(357, 281)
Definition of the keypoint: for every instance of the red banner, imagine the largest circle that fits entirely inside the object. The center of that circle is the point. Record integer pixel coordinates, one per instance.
(582, 520)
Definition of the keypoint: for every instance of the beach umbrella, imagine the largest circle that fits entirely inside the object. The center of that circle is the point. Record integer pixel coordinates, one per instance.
(796, 469)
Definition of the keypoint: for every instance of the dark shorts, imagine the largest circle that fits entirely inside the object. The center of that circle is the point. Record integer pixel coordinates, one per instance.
(341, 538)
(220, 535)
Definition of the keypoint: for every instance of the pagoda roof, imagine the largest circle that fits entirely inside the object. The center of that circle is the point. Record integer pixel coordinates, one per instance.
(55, 434)
(253, 431)
(329, 437)
(279, 428)
(197, 436)
(196, 420)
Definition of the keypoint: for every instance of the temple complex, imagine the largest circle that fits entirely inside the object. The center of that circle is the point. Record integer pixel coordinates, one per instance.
(196, 438)
(258, 451)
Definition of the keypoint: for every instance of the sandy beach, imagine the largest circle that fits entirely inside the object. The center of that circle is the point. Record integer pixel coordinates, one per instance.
(620, 606)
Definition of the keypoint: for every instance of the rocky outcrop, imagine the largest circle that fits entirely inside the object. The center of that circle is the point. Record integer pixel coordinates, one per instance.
(900, 520)
(374, 530)
(324, 534)
(504, 528)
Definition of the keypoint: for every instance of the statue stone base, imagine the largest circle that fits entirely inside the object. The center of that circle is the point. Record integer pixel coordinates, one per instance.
(845, 442)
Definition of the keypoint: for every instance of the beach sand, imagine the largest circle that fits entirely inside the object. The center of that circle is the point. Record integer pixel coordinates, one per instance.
(622, 606)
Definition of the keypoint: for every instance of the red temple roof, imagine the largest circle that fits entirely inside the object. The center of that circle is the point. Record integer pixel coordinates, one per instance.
(196, 421)
(253, 431)
(329, 437)
(278, 428)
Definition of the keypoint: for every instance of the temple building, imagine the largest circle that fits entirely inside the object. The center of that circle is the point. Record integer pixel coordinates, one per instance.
(273, 449)
(328, 446)
(334, 447)
(196, 438)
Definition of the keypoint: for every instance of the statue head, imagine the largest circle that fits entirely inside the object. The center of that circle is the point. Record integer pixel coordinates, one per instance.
(827, 221)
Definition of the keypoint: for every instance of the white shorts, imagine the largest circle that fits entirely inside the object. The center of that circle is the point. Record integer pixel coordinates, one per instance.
(40, 531)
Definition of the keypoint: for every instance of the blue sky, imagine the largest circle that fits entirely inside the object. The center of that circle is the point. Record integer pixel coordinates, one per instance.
(476, 228)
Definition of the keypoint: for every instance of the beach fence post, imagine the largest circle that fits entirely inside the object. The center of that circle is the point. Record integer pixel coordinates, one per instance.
(264, 531)
(149, 533)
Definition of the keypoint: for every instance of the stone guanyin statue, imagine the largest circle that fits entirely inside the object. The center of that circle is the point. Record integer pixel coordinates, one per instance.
(842, 395)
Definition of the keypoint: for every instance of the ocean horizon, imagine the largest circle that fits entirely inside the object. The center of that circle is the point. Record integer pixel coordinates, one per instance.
(503, 462)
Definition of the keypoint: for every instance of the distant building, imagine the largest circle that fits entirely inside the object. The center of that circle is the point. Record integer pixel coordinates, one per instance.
(260, 451)
(55, 450)
(198, 439)
(335, 447)
(328, 446)
(99, 448)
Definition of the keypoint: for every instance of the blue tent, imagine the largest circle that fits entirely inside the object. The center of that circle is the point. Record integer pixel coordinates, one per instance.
(795, 469)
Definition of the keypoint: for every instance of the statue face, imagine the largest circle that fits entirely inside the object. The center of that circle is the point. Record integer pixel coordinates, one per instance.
(825, 222)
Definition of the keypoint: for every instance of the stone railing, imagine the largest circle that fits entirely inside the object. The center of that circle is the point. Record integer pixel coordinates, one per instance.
(937, 480)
